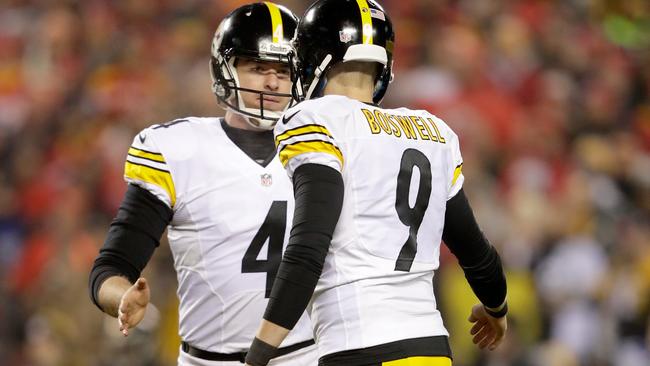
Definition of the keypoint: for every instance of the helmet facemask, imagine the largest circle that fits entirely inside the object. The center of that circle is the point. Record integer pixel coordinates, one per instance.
(227, 88)
(258, 32)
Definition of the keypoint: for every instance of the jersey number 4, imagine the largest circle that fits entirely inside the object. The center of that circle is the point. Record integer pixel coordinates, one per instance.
(272, 229)
(411, 216)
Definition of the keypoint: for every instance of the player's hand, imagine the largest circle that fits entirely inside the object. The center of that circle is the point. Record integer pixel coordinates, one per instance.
(487, 330)
(133, 305)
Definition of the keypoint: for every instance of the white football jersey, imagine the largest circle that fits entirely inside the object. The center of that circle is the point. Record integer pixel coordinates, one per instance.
(399, 167)
(231, 219)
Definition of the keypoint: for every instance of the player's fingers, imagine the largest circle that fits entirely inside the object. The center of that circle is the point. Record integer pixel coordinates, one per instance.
(476, 327)
(477, 340)
(141, 283)
(486, 337)
(125, 303)
(484, 332)
(498, 331)
(478, 337)
(498, 337)
(492, 346)
(485, 342)
(494, 342)
(124, 321)
(472, 318)
(125, 326)
(124, 311)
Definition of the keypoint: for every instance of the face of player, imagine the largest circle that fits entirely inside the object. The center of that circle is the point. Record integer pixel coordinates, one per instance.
(264, 76)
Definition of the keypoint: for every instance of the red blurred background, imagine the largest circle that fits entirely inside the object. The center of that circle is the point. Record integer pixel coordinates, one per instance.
(551, 100)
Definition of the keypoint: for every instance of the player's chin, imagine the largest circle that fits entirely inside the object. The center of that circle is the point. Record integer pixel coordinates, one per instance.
(275, 105)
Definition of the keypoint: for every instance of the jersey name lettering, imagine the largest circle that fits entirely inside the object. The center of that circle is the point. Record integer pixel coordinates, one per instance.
(411, 127)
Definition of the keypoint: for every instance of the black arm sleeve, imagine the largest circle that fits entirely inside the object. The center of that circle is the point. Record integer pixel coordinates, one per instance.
(318, 191)
(479, 260)
(134, 234)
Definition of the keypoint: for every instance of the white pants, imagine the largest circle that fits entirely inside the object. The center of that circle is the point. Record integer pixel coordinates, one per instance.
(307, 356)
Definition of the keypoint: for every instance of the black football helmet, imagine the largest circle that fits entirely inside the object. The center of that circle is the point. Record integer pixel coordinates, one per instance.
(261, 32)
(334, 31)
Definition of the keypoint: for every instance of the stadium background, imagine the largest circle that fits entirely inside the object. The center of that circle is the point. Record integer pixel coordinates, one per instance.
(550, 99)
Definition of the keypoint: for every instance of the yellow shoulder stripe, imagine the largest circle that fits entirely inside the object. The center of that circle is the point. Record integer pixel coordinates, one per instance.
(420, 361)
(276, 22)
(146, 155)
(301, 147)
(161, 178)
(302, 130)
(366, 21)
(457, 172)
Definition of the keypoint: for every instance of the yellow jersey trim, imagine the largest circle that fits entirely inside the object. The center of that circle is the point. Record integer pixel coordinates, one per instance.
(457, 172)
(366, 21)
(139, 153)
(420, 361)
(158, 177)
(302, 130)
(276, 22)
(312, 146)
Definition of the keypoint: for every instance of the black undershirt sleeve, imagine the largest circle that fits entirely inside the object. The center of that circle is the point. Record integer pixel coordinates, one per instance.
(318, 192)
(476, 256)
(132, 238)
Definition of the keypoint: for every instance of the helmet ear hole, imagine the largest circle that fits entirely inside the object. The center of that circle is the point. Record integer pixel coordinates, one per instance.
(219, 81)
(220, 91)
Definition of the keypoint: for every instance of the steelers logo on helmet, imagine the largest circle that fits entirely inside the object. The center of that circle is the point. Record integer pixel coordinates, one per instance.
(333, 32)
(259, 32)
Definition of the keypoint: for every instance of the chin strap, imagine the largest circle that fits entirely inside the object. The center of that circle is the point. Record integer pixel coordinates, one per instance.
(317, 75)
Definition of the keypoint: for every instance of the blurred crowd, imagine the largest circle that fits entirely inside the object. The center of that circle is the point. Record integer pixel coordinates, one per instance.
(551, 100)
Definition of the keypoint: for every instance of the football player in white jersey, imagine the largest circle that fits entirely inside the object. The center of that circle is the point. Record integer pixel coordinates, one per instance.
(376, 190)
(218, 187)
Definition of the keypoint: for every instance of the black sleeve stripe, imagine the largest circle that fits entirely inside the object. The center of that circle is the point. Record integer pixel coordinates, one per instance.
(142, 157)
(303, 126)
(307, 141)
(308, 133)
(147, 166)
(145, 151)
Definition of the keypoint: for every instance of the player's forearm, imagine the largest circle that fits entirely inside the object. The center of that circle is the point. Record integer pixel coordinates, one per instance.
(131, 239)
(478, 258)
(271, 333)
(319, 195)
(110, 294)
(265, 345)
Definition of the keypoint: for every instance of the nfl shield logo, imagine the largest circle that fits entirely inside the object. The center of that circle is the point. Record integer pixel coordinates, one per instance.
(344, 36)
(266, 179)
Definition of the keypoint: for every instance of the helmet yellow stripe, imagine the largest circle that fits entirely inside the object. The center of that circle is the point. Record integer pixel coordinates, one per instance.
(366, 21)
(276, 22)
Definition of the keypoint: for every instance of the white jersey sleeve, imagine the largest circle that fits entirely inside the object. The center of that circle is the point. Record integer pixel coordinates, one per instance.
(305, 138)
(146, 167)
